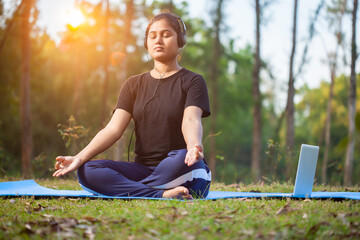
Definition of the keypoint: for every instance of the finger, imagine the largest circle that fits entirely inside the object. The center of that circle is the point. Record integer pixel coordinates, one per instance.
(59, 160)
(188, 157)
(61, 166)
(196, 153)
(65, 171)
(71, 168)
(188, 160)
(191, 162)
(57, 165)
(194, 158)
(189, 197)
(57, 173)
(199, 155)
(61, 172)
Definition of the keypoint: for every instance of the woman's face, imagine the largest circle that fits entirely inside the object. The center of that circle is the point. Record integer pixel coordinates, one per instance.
(162, 41)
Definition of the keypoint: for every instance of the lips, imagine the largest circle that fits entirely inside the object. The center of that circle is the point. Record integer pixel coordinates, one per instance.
(157, 49)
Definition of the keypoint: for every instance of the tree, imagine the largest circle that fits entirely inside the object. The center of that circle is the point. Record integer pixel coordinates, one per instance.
(129, 17)
(214, 74)
(26, 135)
(311, 118)
(312, 32)
(256, 142)
(304, 60)
(338, 10)
(104, 109)
(290, 122)
(349, 161)
(8, 27)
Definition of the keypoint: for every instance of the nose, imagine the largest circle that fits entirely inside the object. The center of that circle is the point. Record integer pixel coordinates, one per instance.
(158, 39)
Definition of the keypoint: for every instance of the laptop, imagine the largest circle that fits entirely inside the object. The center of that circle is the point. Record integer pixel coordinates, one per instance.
(306, 171)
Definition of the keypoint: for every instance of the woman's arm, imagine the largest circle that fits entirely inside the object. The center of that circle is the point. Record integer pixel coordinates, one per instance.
(192, 132)
(104, 139)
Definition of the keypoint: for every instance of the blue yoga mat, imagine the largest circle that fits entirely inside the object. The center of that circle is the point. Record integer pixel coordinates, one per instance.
(31, 188)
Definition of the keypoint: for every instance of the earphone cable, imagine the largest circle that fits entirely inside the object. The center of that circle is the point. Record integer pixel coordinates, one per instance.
(143, 110)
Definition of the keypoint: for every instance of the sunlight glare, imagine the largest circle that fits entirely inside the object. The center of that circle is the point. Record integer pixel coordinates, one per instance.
(75, 18)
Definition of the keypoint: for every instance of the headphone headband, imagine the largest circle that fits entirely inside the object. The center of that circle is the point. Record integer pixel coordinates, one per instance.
(181, 23)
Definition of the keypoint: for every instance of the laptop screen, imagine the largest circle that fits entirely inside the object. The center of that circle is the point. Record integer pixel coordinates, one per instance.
(306, 170)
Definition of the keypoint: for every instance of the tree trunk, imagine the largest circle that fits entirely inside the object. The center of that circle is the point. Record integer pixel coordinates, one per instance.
(104, 112)
(256, 144)
(9, 25)
(349, 161)
(121, 144)
(327, 129)
(26, 135)
(290, 109)
(214, 86)
(78, 81)
(333, 68)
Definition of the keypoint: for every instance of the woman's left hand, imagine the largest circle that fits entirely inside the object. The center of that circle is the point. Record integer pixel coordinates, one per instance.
(66, 164)
(194, 155)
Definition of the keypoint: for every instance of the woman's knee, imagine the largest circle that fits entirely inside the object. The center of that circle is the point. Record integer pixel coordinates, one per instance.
(88, 170)
(97, 176)
(200, 185)
(81, 173)
(199, 188)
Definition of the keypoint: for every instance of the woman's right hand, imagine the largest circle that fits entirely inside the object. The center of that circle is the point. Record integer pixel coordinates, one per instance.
(65, 165)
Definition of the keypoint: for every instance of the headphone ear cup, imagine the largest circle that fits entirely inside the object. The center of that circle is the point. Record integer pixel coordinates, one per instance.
(181, 40)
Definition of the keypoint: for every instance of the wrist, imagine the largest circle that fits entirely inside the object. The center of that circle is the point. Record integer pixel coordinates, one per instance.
(198, 146)
(80, 158)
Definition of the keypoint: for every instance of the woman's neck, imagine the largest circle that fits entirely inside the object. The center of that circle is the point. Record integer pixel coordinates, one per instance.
(164, 70)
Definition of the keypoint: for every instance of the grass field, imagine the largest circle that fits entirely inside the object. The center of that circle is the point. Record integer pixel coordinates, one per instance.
(69, 218)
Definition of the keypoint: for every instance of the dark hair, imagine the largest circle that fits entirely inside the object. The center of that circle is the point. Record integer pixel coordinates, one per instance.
(175, 23)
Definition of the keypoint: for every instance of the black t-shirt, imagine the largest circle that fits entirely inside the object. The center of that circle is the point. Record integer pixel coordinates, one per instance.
(157, 107)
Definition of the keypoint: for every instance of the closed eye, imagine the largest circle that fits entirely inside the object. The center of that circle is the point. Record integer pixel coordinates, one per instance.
(167, 34)
(152, 35)
(164, 33)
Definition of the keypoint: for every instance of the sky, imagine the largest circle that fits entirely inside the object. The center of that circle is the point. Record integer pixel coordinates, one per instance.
(239, 19)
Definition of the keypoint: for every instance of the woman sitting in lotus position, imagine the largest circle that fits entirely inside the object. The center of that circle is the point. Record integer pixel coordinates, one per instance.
(167, 104)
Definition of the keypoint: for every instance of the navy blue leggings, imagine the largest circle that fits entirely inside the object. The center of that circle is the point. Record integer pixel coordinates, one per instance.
(133, 179)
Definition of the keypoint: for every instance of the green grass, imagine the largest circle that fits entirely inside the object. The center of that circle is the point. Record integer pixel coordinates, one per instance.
(69, 218)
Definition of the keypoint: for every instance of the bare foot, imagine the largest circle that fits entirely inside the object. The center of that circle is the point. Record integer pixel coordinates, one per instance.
(178, 192)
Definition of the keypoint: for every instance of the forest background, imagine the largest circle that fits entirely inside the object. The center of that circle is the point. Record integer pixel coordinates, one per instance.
(54, 97)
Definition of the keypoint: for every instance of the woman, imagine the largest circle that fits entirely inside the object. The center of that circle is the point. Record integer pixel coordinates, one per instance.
(167, 105)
